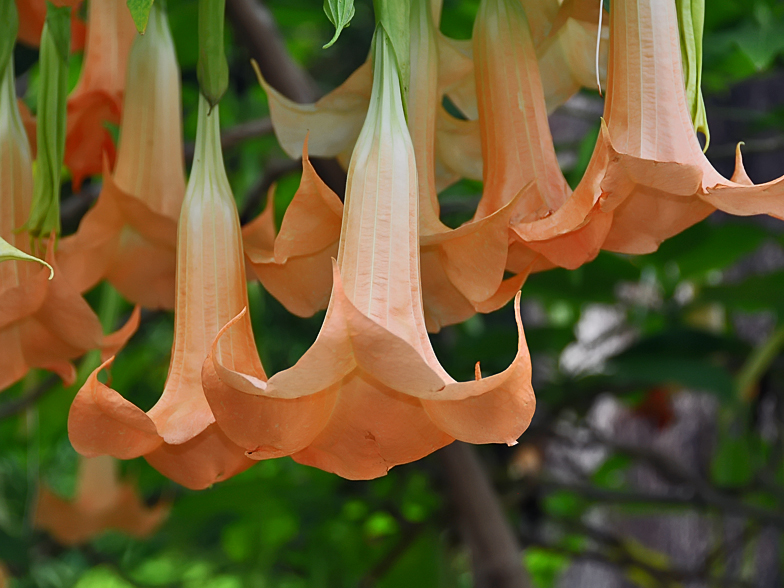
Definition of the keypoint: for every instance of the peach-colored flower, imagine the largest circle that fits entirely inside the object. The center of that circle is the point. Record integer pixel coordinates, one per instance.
(102, 503)
(370, 393)
(461, 268)
(564, 37)
(97, 98)
(567, 54)
(43, 323)
(657, 180)
(520, 165)
(129, 236)
(178, 435)
(32, 14)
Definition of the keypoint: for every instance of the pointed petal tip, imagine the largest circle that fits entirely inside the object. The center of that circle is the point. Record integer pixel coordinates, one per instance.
(740, 176)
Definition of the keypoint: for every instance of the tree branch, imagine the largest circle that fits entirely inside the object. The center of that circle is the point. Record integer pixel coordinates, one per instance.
(495, 554)
(237, 134)
(17, 405)
(255, 27)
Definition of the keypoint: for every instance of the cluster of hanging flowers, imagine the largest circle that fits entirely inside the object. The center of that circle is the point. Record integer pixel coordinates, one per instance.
(370, 393)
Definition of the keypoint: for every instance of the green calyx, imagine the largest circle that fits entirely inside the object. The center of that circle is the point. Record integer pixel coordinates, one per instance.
(55, 42)
(212, 69)
(393, 16)
(691, 20)
(9, 26)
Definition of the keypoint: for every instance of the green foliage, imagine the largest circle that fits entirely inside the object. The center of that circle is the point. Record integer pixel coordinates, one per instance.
(286, 525)
(339, 13)
(140, 12)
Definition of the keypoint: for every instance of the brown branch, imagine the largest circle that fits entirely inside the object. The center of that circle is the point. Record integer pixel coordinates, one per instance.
(495, 554)
(17, 405)
(411, 533)
(699, 491)
(272, 173)
(237, 134)
(255, 27)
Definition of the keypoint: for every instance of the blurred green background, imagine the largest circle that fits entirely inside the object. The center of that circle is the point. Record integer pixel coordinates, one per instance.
(656, 457)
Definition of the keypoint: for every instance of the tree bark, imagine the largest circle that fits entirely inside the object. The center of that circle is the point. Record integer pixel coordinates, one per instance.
(496, 557)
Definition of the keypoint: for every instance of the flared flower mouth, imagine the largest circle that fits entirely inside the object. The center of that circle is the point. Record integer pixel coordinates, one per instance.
(370, 393)
(102, 503)
(178, 436)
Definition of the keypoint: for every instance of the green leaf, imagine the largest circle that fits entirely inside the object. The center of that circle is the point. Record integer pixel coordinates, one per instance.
(732, 465)
(9, 252)
(140, 12)
(691, 21)
(339, 13)
(657, 369)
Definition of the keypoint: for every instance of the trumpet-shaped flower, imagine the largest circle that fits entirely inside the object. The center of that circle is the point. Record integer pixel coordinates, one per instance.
(178, 435)
(564, 37)
(102, 503)
(370, 393)
(519, 158)
(32, 14)
(657, 180)
(43, 323)
(97, 98)
(129, 236)
(567, 54)
(461, 268)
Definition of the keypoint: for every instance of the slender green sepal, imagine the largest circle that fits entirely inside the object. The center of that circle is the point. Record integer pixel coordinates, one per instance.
(339, 13)
(140, 13)
(55, 42)
(8, 252)
(9, 26)
(691, 20)
(213, 69)
(393, 16)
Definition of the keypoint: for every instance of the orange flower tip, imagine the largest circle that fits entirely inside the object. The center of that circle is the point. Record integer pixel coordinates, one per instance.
(477, 372)
(740, 176)
(228, 326)
(104, 366)
(511, 443)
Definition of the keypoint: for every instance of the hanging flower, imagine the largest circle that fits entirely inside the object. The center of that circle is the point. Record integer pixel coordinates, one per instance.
(43, 323)
(370, 393)
(461, 268)
(178, 435)
(97, 98)
(567, 56)
(332, 124)
(520, 164)
(32, 14)
(102, 503)
(129, 236)
(564, 37)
